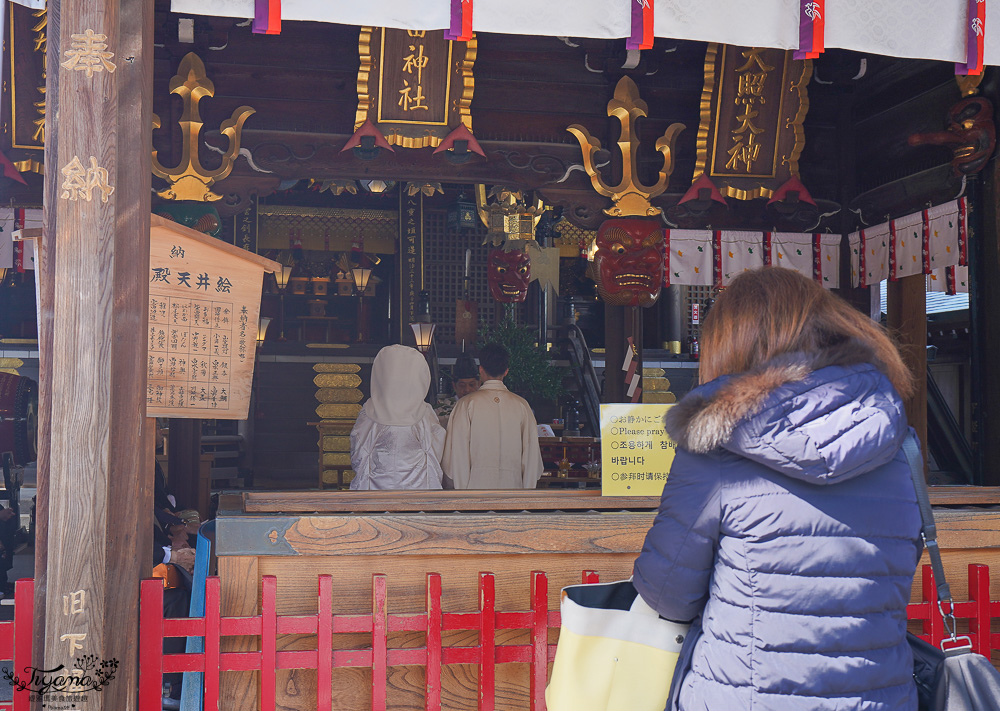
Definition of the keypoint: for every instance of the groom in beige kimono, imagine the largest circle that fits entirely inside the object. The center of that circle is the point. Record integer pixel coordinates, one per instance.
(492, 440)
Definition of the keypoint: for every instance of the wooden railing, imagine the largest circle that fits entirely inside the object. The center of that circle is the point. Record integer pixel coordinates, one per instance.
(975, 616)
(16, 639)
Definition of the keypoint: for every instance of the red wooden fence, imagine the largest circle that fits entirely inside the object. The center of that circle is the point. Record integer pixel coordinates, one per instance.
(974, 615)
(15, 643)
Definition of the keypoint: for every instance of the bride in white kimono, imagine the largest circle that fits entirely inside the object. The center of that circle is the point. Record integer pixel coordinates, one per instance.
(397, 440)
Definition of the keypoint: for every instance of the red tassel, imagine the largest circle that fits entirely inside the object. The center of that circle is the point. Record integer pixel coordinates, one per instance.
(817, 257)
(461, 21)
(717, 259)
(863, 275)
(963, 233)
(925, 248)
(266, 17)
(641, 15)
(666, 258)
(975, 39)
(892, 251)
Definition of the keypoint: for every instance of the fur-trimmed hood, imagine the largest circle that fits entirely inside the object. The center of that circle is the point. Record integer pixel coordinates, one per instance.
(822, 417)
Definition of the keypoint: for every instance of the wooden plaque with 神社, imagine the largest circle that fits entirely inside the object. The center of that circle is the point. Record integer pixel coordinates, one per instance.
(415, 86)
(204, 303)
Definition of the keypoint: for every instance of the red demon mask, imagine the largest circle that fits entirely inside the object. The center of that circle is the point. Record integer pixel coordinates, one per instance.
(629, 262)
(509, 274)
(971, 135)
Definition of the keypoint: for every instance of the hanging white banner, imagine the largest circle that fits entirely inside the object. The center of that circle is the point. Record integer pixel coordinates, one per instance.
(919, 29)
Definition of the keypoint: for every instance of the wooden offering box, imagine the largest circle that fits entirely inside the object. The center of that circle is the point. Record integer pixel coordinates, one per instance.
(406, 535)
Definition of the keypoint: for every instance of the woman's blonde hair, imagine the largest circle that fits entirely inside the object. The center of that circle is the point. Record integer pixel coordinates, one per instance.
(772, 311)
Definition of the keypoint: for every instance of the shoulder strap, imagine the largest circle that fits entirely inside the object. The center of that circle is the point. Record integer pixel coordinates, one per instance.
(929, 531)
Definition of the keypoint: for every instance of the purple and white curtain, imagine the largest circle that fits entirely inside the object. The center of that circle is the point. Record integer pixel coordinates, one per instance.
(947, 30)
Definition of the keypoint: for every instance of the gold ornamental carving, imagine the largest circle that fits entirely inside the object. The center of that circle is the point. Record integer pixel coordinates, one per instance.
(329, 411)
(337, 380)
(337, 459)
(339, 395)
(336, 368)
(630, 196)
(189, 180)
(335, 443)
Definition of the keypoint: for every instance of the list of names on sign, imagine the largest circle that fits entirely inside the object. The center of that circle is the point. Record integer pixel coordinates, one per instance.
(190, 352)
(204, 302)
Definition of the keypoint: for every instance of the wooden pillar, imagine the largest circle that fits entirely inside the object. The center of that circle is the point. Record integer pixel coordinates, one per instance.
(97, 531)
(184, 460)
(671, 313)
(906, 306)
(409, 266)
(984, 296)
(45, 274)
(620, 323)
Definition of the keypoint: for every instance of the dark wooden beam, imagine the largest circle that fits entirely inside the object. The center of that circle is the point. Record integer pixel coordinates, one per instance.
(906, 318)
(184, 460)
(97, 217)
(620, 323)
(984, 302)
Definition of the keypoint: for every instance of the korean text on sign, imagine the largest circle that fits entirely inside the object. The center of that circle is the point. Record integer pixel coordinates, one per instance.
(636, 452)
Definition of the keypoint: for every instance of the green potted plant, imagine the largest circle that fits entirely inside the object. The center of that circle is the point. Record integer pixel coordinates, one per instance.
(532, 374)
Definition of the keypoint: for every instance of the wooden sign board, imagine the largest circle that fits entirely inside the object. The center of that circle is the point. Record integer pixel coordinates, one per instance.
(753, 105)
(25, 83)
(466, 322)
(204, 302)
(414, 85)
(636, 452)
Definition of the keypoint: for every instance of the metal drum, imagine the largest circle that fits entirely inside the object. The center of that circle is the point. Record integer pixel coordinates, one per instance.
(18, 417)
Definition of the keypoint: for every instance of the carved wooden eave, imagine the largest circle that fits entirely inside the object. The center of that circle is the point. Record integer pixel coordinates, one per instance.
(545, 167)
(318, 156)
(905, 195)
(529, 166)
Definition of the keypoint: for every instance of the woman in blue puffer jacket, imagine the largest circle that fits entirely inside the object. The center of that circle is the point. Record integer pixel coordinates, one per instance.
(788, 523)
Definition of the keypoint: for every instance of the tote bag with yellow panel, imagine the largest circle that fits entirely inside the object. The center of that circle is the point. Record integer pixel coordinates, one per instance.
(614, 653)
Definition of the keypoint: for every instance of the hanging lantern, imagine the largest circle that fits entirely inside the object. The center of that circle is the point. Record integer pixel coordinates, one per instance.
(377, 186)
(423, 327)
(361, 277)
(262, 323)
(461, 214)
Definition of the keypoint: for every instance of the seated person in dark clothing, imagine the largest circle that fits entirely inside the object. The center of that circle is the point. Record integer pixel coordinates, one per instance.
(170, 552)
(170, 541)
(9, 524)
(173, 556)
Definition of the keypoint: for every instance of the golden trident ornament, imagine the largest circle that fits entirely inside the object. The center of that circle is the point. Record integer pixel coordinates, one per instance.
(189, 180)
(630, 196)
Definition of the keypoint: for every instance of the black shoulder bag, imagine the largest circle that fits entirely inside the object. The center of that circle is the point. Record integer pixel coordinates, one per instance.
(953, 678)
